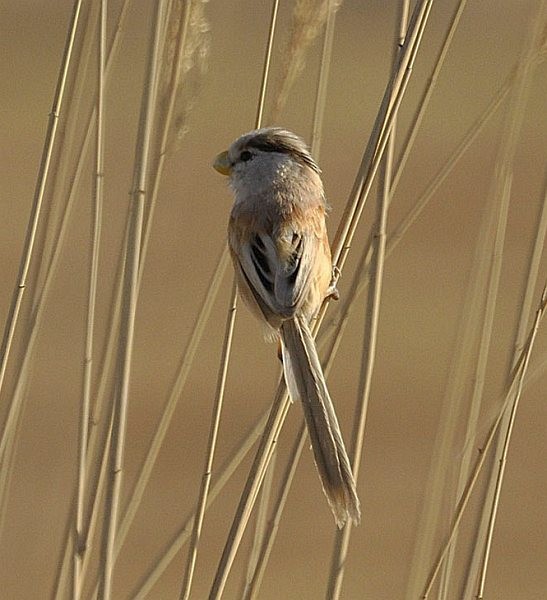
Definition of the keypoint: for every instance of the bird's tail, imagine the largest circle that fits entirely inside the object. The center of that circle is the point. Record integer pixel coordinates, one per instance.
(305, 380)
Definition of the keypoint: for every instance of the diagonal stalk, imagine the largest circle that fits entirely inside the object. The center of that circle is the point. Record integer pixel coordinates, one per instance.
(43, 173)
(373, 154)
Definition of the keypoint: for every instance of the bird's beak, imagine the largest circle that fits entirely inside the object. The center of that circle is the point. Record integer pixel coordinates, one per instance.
(222, 164)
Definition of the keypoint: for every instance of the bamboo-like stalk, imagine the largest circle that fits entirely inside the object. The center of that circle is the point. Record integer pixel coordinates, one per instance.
(251, 592)
(118, 27)
(517, 110)
(427, 95)
(79, 543)
(261, 527)
(514, 391)
(172, 548)
(323, 79)
(372, 317)
(28, 248)
(186, 361)
(36, 301)
(140, 181)
(339, 329)
(211, 447)
(377, 142)
(501, 194)
(69, 128)
(261, 548)
(369, 166)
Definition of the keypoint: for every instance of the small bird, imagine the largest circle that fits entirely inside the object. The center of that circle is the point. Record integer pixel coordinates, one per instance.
(279, 246)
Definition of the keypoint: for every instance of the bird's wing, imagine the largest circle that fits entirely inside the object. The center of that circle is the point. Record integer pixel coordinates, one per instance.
(278, 270)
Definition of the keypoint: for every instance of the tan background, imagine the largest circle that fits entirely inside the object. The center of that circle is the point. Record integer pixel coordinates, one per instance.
(425, 284)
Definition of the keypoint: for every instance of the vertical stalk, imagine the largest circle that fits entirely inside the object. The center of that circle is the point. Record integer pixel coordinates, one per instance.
(80, 536)
(140, 181)
(515, 387)
(372, 317)
(392, 99)
(210, 453)
(28, 248)
(237, 530)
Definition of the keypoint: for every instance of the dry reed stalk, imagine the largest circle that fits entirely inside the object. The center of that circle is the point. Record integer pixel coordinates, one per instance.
(29, 244)
(377, 142)
(55, 254)
(186, 51)
(513, 393)
(323, 79)
(288, 475)
(131, 272)
(308, 19)
(501, 194)
(66, 143)
(517, 110)
(210, 452)
(253, 587)
(369, 166)
(427, 94)
(63, 563)
(261, 530)
(177, 65)
(172, 548)
(258, 123)
(261, 547)
(43, 173)
(82, 473)
(190, 29)
(35, 307)
(372, 317)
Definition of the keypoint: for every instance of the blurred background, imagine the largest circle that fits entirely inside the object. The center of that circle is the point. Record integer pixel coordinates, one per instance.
(417, 431)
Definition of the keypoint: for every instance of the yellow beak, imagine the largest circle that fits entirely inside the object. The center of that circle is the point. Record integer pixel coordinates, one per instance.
(222, 164)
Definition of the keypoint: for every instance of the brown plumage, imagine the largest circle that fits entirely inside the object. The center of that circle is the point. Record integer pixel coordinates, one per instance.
(279, 246)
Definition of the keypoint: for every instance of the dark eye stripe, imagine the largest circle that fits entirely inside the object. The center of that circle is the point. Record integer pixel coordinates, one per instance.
(283, 146)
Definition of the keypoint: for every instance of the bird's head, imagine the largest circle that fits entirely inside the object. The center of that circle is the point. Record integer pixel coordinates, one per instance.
(263, 154)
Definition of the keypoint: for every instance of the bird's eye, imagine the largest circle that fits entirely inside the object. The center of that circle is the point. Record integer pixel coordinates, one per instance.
(245, 156)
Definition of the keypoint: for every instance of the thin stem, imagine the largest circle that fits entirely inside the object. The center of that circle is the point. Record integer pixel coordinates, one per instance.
(346, 232)
(130, 303)
(173, 547)
(427, 95)
(377, 142)
(518, 106)
(39, 192)
(266, 67)
(210, 452)
(323, 79)
(79, 546)
(516, 382)
(261, 526)
(372, 317)
(30, 238)
(269, 537)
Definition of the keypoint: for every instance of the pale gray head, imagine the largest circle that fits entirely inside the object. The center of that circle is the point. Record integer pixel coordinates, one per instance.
(263, 150)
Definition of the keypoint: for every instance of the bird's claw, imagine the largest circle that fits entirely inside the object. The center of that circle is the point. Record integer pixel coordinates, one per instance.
(332, 290)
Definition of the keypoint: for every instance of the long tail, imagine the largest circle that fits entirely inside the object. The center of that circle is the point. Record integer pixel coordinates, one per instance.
(305, 380)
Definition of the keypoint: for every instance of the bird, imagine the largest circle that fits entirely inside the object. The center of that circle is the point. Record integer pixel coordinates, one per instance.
(279, 246)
